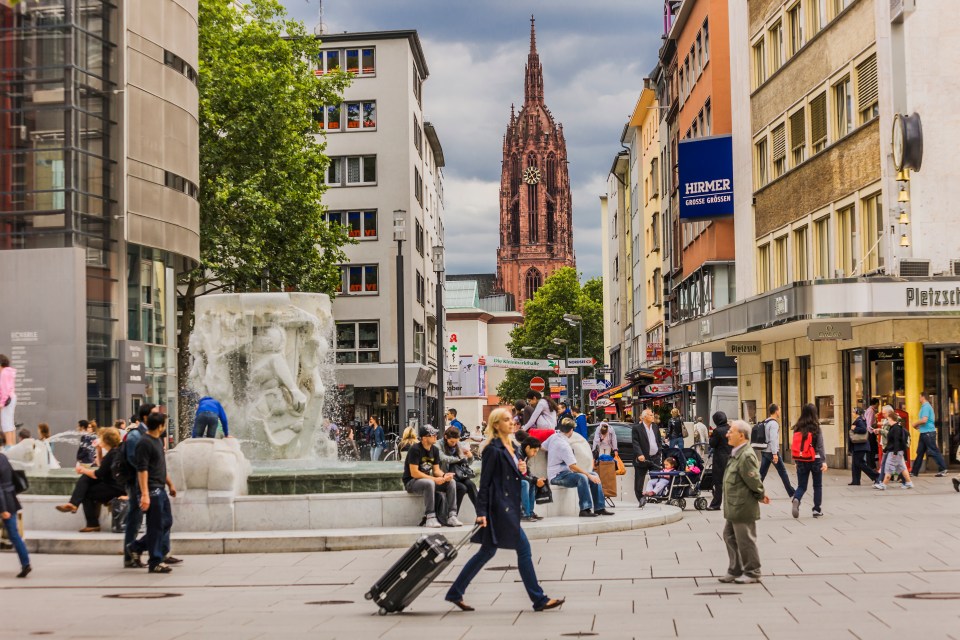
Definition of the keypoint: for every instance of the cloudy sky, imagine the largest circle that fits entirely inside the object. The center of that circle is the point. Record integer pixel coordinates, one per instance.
(595, 54)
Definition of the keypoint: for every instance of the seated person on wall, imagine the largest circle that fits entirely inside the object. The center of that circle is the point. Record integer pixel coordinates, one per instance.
(563, 471)
(529, 483)
(96, 486)
(456, 459)
(422, 475)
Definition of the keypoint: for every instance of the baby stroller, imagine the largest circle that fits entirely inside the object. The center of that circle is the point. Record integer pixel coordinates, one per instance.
(683, 484)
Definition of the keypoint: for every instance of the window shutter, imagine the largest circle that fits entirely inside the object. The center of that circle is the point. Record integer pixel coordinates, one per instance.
(867, 90)
(797, 129)
(779, 142)
(818, 118)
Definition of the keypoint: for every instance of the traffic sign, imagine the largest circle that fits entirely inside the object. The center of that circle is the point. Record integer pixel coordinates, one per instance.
(604, 402)
(610, 409)
(604, 371)
(589, 383)
(581, 362)
(537, 384)
(593, 395)
(566, 371)
(659, 388)
(606, 384)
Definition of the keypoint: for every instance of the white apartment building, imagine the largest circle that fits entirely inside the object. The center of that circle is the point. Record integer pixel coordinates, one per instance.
(385, 158)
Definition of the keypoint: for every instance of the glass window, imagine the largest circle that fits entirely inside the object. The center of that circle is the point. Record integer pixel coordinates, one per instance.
(763, 269)
(369, 169)
(358, 342)
(848, 253)
(868, 104)
(354, 224)
(335, 172)
(780, 273)
(818, 122)
(776, 46)
(821, 253)
(346, 335)
(843, 107)
(800, 250)
(706, 41)
(370, 224)
(353, 115)
(332, 60)
(353, 61)
(795, 20)
(335, 217)
(759, 63)
(369, 115)
(798, 136)
(760, 163)
(353, 170)
(332, 120)
(355, 279)
(368, 62)
(779, 151)
(370, 279)
(872, 233)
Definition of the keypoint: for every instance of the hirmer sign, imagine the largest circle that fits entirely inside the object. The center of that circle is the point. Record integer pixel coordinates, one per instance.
(705, 167)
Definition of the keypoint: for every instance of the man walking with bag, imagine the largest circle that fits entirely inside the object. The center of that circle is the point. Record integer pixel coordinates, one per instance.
(770, 449)
(743, 491)
(927, 427)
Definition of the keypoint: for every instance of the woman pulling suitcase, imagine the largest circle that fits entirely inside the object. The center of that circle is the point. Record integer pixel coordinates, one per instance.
(498, 515)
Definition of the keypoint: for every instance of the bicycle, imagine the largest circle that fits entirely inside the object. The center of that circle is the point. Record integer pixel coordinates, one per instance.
(392, 448)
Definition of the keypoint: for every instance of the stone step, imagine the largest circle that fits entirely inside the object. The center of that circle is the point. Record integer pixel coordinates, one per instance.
(626, 518)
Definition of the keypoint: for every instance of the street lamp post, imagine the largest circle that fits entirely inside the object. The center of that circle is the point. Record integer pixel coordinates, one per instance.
(561, 341)
(441, 373)
(577, 321)
(400, 234)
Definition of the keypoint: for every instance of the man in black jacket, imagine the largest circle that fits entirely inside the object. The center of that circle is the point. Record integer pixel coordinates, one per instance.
(721, 453)
(647, 449)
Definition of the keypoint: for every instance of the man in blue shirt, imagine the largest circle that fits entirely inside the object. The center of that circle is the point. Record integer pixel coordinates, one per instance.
(581, 421)
(452, 417)
(209, 413)
(927, 445)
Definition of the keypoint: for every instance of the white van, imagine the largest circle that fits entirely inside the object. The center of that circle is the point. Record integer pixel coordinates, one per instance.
(723, 399)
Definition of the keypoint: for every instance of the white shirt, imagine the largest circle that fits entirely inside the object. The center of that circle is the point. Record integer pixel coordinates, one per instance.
(654, 450)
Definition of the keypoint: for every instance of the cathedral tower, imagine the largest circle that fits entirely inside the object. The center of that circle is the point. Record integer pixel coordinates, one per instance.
(536, 224)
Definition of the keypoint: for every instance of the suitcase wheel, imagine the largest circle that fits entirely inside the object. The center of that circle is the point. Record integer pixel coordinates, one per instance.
(382, 611)
(368, 595)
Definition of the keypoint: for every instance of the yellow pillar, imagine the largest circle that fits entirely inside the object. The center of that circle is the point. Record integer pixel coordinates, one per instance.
(912, 386)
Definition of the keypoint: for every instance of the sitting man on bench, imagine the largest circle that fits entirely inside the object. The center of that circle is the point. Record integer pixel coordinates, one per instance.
(422, 475)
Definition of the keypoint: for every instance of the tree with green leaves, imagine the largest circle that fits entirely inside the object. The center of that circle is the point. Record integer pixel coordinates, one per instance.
(543, 321)
(261, 168)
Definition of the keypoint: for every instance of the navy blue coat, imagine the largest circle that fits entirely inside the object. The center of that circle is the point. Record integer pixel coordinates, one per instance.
(859, 426)
(499, 498)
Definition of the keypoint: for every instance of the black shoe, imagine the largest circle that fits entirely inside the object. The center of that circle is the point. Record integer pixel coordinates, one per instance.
(160, 568)
(551, 604)
(604, 512)
(526, 519)
(712, 508)
(24, 571)
(172, 560)
(643, 502)
(586, 513)
(535, 516)
(853, 484)
(132, 558)
(956, 484)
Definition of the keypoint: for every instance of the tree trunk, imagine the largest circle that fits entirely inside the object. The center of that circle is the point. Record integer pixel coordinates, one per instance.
(187, 304)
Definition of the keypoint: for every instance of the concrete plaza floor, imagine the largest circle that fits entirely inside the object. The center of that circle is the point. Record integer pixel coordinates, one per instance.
(835, 577)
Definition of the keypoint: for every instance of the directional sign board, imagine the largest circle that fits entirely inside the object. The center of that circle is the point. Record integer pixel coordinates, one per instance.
(566, 371)
(593, 384)
(604, 371)
(581, 362)
(659, 388)
(604, 402)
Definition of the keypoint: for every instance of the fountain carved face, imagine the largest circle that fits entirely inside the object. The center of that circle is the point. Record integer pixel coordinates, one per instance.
(263, 353)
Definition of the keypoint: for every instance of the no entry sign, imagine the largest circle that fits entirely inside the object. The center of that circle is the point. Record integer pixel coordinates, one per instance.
(537, 384)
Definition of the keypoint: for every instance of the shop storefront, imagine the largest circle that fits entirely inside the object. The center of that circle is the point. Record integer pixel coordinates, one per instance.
(802, 344)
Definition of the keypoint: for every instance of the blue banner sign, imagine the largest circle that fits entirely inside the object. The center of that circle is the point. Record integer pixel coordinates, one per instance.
(705, 166)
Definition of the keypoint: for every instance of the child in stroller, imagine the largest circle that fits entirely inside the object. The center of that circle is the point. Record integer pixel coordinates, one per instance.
(680, 479)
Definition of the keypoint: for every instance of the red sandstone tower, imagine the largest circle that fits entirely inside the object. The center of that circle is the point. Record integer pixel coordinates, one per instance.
(536, 224)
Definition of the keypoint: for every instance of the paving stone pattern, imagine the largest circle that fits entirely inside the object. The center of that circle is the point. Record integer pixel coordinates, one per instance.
(835, 577)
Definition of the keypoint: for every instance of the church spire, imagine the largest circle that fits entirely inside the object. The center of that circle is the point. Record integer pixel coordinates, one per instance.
(533, 84)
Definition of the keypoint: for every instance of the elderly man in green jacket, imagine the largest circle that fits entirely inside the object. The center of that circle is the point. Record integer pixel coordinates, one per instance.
(742, 495)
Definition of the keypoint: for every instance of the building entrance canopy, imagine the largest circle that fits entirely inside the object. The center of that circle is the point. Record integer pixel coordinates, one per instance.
(788, 312)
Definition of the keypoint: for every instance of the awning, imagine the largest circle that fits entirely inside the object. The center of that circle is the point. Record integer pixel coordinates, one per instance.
(620, 388)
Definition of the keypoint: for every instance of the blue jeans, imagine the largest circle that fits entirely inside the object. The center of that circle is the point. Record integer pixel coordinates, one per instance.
(10, 524)
(781, 469)
(676, 443)
(528, 496)
(376, 452)
(159, 523)
(591, 495)
(928, 445)
(804, 471)
(205, 425)
(483, 556)
(134, 518)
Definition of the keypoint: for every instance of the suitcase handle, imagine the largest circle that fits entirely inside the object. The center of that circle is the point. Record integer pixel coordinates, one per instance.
(467, 537)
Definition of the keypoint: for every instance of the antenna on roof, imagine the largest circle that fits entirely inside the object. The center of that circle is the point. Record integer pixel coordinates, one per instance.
(321, 28)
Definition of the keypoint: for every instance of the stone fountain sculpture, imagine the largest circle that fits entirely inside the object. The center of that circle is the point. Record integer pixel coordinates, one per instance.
(262, 356)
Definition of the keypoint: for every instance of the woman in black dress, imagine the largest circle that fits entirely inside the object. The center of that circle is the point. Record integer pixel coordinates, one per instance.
(498, 514)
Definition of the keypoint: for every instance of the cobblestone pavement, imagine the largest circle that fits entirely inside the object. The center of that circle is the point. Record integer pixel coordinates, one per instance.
(841, 576)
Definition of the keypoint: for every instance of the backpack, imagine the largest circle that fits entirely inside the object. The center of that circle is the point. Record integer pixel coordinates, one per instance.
(802, 447)
(123, 472)
(758, 437)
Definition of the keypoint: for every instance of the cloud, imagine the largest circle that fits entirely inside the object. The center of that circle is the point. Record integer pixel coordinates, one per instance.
(595, 56)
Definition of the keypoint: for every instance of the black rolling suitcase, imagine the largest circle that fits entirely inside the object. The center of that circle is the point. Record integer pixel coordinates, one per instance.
(414, 572)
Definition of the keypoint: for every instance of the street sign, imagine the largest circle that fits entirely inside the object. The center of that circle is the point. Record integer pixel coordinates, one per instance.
(555, 380)
(589, 383)
(593, 396)
(566, 371)
(537, 384)
(659, 388)
(604, 371)
(581, 362)
(604, 402)
(606, 384)
(610, 410)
